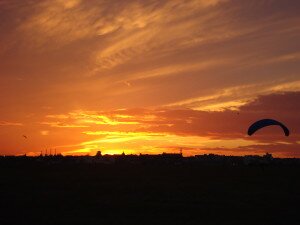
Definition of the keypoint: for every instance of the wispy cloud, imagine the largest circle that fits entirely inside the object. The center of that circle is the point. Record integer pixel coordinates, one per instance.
(7, 123)
(234, 97)
(144, 130)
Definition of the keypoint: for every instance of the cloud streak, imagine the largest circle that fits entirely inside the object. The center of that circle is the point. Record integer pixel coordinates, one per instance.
(194, 130)
(6, 123)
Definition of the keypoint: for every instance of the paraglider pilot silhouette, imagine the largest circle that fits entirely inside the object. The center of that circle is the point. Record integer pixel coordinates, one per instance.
(265, 123)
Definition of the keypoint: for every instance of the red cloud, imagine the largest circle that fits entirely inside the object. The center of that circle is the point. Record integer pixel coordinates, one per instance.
(229, 124)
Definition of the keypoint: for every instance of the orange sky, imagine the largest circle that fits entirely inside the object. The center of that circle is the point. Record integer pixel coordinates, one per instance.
(149, 76)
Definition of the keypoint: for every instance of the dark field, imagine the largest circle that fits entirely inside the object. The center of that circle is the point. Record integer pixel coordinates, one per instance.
(149, 194)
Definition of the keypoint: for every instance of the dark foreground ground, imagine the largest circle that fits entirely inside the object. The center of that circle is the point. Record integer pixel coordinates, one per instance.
(145, 194)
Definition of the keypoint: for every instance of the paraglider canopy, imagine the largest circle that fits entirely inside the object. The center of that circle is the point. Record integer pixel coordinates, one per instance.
(264, 123)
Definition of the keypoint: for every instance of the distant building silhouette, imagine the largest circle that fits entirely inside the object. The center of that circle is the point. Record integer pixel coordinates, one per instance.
(98, 154)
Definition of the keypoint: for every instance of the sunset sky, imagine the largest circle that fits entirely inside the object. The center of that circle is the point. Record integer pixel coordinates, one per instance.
(149, 76)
